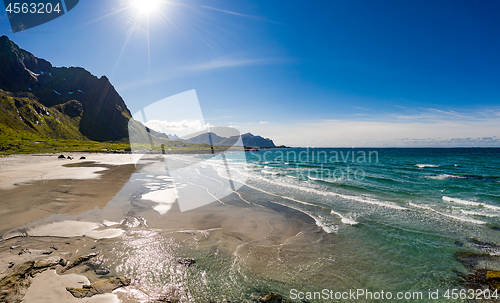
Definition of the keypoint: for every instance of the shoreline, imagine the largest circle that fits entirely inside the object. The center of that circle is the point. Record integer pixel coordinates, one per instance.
(38, 201)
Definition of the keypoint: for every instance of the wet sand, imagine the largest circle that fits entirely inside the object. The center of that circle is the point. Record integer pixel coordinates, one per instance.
(42, 197)
(33, 199)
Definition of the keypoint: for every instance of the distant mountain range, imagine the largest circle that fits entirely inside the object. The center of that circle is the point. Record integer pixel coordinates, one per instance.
(248, 139)
(71, 103)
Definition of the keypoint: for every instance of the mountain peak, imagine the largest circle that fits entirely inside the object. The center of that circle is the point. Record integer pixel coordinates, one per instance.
(105, 115)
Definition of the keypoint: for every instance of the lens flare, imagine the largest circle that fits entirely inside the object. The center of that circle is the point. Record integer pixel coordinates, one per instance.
(145, 6)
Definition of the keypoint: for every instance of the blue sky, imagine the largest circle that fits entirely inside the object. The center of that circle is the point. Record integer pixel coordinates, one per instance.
(305, 73)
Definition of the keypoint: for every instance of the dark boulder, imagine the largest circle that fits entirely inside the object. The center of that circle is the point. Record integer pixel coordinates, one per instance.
(186, 261)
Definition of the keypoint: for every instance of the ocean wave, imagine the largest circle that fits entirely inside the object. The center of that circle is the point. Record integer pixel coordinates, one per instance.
(317, 219)
(457, 218)
(365, 200)
(331, 180)
(471, 203)
(344, 219)
(446, 176)
(476, 213)
(360, 199)
(265, 171)
(426, 165)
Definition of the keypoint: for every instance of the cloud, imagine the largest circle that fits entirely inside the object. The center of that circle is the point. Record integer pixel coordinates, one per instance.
(429, 128)
(263, 122)
(176, 126)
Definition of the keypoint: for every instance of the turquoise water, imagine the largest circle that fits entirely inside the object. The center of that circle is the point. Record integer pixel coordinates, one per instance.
(387, 220)
(403, 213)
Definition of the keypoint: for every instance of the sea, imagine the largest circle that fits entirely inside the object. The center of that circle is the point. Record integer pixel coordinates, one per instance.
(385, 221)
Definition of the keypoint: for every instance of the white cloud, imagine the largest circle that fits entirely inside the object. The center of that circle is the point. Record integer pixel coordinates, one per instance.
(170, 127)
(427, 128)
(263, 122)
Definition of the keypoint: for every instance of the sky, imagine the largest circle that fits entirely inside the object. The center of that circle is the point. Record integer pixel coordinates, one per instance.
(304, 73)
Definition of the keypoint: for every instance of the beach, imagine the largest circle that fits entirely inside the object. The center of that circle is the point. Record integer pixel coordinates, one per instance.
(184, 228)
(81, 206)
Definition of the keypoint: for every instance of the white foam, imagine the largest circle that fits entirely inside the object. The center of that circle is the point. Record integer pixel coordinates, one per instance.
(427, 165)
(446, 176)
(365, 200)
(465, 202)
(344, 219)
(458, 218)
(265, 171)
(476, 213)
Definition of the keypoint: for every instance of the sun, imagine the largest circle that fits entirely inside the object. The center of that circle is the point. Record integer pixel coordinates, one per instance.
(145, 6)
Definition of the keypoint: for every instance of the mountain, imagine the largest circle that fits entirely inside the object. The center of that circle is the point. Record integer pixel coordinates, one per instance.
(21, 114)
(248, 139)
(88, 103)
(173, 137)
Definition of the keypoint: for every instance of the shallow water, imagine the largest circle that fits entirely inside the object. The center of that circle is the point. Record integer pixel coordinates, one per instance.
(265, 221)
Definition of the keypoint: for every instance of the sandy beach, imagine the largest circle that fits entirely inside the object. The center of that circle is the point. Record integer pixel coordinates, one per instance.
(64, 209)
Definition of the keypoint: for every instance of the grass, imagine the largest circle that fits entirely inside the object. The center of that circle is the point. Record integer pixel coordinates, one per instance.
(25, 144)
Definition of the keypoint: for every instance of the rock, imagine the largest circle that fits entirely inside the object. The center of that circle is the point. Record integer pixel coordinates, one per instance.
(24, 251)
(492, 274)
(45, 263)
(269, 297)
(14, 286)
(101, 272)
(14, 246)
(165, 300)
(80, 260)
(94, 263)
(63, 262)
(481, 278)
(82, 158)
(471, 259)
(48, 252)
(70, 158)
(11, 264)
(186, 261)
(489, 248)
(99, 287)
(171, 295)
(53, 247)
(61, 157)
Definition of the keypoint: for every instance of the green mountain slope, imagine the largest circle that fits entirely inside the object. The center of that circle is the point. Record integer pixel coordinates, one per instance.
(22, 114)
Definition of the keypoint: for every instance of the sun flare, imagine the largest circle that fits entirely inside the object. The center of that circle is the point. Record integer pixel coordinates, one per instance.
(145, 6)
